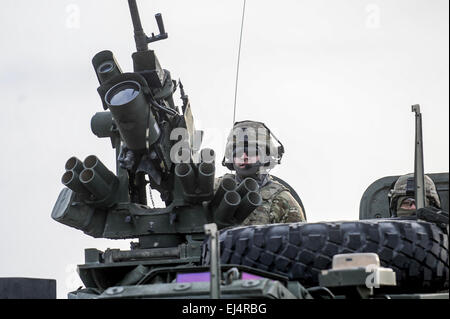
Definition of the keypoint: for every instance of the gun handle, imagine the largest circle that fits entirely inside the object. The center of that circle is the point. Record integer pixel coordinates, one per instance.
(160, 23)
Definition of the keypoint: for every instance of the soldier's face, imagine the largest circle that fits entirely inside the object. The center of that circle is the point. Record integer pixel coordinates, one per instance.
(408, 204)
(244, 159)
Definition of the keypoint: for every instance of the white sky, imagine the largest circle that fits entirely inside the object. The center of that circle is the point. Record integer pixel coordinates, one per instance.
(334, 80)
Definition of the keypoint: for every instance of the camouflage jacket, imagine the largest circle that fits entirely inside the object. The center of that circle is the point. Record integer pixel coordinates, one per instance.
(278, 206)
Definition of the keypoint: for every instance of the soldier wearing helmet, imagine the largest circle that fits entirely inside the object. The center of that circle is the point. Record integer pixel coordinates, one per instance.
(250, 152)
(402, 196)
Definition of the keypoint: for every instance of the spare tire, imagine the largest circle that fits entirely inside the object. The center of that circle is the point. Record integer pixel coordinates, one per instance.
(416, 250)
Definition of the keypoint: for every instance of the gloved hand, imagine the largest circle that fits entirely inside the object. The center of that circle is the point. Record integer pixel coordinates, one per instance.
(434, 215)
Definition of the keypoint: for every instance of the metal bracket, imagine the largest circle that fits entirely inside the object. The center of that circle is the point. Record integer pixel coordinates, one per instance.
(211, 230)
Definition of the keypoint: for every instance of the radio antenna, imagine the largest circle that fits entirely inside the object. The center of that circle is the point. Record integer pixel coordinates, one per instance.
(237, 70)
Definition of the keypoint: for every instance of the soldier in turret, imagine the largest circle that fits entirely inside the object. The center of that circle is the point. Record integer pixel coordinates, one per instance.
(250, 152)
(402, 200)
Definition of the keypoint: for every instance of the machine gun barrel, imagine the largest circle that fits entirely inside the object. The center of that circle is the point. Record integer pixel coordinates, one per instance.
(139, 36)
(419, 178)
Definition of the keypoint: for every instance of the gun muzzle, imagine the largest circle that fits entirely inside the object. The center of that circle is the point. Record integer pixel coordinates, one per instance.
(97, 178)
(247, 185)
(94, 163)
(132, 114)
(70, 178)
(248, 204)
(223, 215)
(185, 173)
(227, 184)
(206, 173)
(74, 164)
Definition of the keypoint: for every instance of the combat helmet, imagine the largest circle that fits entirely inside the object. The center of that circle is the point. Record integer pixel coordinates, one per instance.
(254, 138)
(404, 187)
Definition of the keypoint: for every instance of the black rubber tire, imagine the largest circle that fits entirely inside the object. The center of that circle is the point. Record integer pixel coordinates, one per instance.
(417, 251)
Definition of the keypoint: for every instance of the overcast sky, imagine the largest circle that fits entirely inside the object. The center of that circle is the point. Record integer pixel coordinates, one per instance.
(334, 80)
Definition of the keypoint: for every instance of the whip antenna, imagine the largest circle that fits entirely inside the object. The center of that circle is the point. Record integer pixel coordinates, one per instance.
(239, 57)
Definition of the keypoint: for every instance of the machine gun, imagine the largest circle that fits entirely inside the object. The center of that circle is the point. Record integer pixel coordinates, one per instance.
(153, 140)
(419, 179)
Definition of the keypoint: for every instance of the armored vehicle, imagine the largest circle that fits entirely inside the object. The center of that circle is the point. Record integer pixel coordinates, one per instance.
(194, 247)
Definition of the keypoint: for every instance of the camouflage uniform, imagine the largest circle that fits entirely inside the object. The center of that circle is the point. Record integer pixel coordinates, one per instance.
(278, 205)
